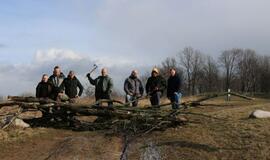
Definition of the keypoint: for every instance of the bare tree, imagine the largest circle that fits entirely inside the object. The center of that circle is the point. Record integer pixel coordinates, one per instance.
(264, 82)
(169, 63)
(191, 60)
(210, 78)
(228, 61)
(248, 70)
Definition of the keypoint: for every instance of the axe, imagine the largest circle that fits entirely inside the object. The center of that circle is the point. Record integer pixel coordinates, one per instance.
(94, 68)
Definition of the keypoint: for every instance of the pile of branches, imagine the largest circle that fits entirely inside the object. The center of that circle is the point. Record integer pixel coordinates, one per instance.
(119, 118)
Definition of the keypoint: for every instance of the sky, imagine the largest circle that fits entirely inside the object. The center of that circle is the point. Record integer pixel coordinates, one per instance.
(36, 35)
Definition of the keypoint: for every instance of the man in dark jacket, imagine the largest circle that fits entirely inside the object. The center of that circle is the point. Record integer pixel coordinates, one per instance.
(56, 80)
(70, 85)
(134, 88)
(174, 89)
(103, 86)
(155, 87)
(43, 89)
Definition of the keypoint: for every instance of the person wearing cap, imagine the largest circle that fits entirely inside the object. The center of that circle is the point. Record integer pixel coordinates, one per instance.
(56, 80)
(155, 86)
(70, 85)
(43, 89)
(133, 88)
(103, 86)
(174, 88)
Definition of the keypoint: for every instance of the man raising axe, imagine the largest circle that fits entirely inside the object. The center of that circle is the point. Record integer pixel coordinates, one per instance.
(103, 86)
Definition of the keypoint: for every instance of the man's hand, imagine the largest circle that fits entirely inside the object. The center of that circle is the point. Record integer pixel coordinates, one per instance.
(88, 75)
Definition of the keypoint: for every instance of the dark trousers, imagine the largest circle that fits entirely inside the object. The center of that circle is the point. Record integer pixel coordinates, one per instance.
(105, 96)
(155, 98)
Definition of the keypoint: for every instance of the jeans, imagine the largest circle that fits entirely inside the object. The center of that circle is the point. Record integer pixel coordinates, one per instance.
(132, 99)
(155, 98)
(176, 100)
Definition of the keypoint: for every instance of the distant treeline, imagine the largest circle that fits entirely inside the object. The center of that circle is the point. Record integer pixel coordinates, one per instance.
(241, 70)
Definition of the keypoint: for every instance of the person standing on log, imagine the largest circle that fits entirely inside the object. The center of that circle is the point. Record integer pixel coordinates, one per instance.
(155, 86)
(174, 89)
(103, 86)
(133, 88)
(56, 80)
(43, 89)
(70, 85)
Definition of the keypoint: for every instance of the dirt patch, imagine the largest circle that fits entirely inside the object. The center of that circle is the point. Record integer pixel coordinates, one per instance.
(54, 144)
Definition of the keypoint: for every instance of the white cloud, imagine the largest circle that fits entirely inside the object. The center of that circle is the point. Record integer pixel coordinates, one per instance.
(53, 54)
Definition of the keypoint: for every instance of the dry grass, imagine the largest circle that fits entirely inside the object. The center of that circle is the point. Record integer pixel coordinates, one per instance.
(223, 131)
(216, 130)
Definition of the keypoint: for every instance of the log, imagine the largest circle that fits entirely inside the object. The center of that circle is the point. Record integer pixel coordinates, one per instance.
(31, 100)
(241, 96)
(215, 95)
(8, 103)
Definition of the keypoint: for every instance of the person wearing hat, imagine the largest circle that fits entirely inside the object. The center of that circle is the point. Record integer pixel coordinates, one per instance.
(155, 86)
(174, 88)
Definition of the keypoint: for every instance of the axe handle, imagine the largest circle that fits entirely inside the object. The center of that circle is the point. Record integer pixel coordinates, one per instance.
(93, 70)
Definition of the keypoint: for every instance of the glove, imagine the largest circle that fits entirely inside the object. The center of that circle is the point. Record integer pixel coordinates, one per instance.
(88, 75)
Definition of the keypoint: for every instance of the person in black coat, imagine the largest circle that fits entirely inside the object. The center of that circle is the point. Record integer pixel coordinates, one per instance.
(43, 89)
(155, 86)
(56, 80)
(174, 88)
(70, 85)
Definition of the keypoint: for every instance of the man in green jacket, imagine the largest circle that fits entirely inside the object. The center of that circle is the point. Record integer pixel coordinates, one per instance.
(103, 86)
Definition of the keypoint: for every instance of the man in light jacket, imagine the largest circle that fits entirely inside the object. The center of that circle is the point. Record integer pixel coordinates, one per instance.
(133, 88)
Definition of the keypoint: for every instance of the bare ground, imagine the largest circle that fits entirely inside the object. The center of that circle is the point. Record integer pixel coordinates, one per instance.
(216, 130)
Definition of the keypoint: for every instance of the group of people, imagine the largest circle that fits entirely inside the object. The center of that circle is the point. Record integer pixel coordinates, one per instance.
(58, 87)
